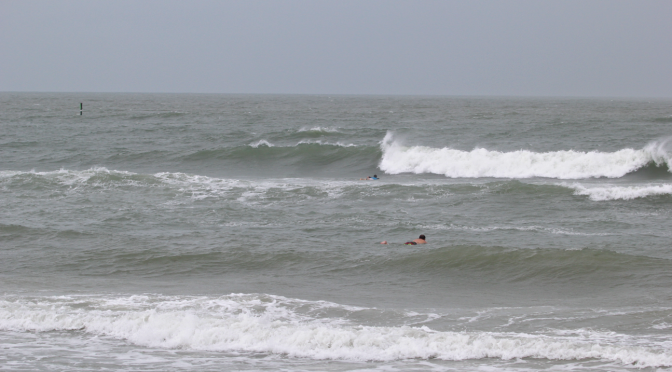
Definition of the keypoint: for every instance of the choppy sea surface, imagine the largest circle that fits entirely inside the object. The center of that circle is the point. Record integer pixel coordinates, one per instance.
(168, 232)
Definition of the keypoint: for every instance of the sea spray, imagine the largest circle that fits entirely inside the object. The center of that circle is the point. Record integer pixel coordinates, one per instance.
(660, 151)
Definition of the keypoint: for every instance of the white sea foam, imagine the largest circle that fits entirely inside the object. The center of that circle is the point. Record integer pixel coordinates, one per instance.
(262, 142)
(190, 185)
(320, 142)
(542, 229)
(295, 328)
(319, 129)
(662, 325)
(71, 178)
(480, 162)
(199, 187)
(612, 192)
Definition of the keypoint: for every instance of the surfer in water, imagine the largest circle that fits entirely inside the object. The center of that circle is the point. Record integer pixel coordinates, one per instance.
(419, 240)
(375, 177)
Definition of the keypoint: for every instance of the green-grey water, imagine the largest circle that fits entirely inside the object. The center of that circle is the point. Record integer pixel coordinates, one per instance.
(233, 232)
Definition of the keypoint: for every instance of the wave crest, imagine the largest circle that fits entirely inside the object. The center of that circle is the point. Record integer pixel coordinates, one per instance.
(261, 143)
(604, 193)
(319, 129)
(480, 162)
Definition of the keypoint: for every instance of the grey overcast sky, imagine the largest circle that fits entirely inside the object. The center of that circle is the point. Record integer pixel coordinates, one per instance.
(605, 48)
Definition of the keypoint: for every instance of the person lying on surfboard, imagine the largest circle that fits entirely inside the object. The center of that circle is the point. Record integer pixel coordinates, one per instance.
(419, 240)
(370, 178)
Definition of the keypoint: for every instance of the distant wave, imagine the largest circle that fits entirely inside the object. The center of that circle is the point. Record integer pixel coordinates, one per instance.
(264, 142)
(610, 192)
(190, 185)
(260, 323)
(480, 162)
(666, 119)
(71, 178)
(320, 142)
(319, 129)
(160, 115)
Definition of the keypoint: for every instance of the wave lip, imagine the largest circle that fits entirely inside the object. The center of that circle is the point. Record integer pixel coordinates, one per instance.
(278, 325)
(261, 143)
(480, 162)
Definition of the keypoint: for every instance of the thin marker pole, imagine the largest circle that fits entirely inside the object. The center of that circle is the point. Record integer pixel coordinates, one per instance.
(81, 108)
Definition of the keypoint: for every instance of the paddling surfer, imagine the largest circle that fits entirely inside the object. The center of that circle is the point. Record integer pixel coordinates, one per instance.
(419, 240)
(375, 177)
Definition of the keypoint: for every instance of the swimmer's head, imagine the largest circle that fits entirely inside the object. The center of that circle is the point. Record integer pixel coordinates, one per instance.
(422, 237)
(375, 176)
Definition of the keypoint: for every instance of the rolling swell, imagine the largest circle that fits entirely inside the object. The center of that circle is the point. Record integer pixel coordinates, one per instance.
(156, 262)
(666, 119)
(486, 265)
(64, 179)
(303, 155)
(534, 266)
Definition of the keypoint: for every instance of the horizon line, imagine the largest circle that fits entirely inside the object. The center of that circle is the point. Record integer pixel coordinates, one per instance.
(354, 94)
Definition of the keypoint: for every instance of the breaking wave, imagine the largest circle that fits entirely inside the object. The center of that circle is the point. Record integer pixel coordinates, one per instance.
(199, 186)
(480, 162)
(603, 193)
(261, 143)
(278, 325)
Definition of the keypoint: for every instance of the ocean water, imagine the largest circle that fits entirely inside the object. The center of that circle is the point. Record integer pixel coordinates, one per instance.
(167, 232)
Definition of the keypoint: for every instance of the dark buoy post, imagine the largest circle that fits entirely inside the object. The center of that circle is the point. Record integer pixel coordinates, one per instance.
(81, 108)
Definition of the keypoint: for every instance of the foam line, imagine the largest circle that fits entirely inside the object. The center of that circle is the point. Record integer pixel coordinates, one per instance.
(277, 325)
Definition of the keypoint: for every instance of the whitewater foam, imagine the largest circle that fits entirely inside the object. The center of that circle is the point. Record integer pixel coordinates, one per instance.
(480, 162)
(319, 129)
(542, 229)
(200, 187)
(193, 187)
(266, 143)
(612, 192)
(73, 178)
(278, 325)
(319, 142)
(261, 143)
